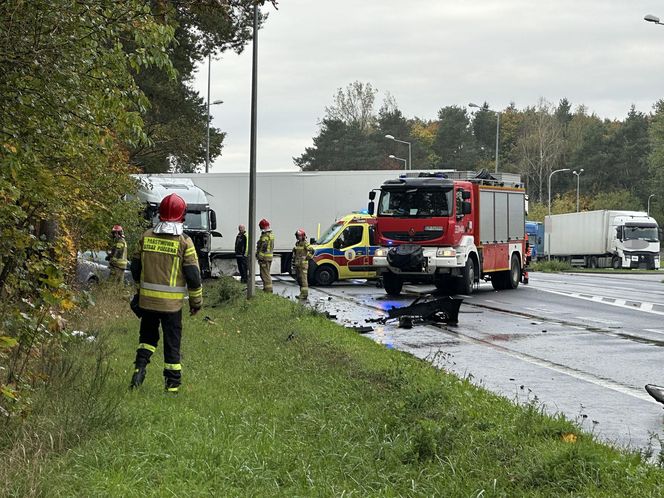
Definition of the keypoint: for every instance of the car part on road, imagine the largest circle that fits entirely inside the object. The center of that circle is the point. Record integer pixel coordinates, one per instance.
(656, 392)
(444, 309)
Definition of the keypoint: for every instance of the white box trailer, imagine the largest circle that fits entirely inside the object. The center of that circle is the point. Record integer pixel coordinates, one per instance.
(604, 238)
(288, 199)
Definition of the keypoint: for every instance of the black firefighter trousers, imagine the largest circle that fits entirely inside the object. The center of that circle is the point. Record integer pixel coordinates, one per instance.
(171, 325)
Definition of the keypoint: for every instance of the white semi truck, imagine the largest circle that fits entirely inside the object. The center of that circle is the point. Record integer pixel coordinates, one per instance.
(218, 202)
(603, 239)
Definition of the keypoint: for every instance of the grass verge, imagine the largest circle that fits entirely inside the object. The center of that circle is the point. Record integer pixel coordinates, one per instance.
(278, 401)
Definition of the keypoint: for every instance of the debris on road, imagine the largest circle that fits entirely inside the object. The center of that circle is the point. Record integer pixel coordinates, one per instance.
(421, 312)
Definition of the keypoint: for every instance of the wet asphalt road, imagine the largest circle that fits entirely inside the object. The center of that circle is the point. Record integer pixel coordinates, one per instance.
(580, 344)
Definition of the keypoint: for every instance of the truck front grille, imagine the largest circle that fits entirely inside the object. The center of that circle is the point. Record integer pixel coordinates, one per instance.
(415, 237)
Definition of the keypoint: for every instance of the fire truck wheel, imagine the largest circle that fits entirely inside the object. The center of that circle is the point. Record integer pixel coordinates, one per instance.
(515, 273)
(325, 275)
(392, 283)
(467, 282)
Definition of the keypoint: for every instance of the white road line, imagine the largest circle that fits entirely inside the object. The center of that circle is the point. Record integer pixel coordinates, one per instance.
(655, 331)
(577, 374)
(620, 303)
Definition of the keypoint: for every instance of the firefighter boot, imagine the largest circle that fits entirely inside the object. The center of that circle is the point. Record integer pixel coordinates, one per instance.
(138, 377)
(172, 388)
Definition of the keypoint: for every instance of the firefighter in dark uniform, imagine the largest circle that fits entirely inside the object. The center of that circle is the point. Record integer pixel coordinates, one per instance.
(241, 251)
(165, 267)
(302, 253)
(264, 248)
(117, 254)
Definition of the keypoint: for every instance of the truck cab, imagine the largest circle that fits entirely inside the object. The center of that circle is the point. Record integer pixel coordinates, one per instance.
(345, 250)
(635, 237)
(535, 231)
(200, 221)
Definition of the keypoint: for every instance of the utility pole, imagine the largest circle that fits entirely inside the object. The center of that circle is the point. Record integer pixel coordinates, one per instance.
(251, 271)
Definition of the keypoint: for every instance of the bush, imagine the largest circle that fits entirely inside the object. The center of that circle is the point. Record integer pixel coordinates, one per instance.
(226, 290)
(551, 266)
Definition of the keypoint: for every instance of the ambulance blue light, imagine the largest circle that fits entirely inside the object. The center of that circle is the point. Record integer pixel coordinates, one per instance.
(363, 211)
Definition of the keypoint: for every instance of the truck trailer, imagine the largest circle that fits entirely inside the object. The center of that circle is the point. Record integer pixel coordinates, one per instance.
(288, 199)
(451, 229)
(603, 239)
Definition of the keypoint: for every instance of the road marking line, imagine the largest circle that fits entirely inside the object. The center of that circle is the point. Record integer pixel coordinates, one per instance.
(620, 303)
(655, 331)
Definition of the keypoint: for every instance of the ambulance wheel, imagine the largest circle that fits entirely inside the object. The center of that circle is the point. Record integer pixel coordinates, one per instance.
(392, 283)
(325, 275)
(515, 272)
(467, 280)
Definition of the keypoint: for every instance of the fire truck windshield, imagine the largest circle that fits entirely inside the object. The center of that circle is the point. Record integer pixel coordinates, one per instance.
(416, 202)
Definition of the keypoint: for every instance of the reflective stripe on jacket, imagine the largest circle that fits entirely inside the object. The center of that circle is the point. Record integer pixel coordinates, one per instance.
(168, 270)
(265, 246)
(118, 254)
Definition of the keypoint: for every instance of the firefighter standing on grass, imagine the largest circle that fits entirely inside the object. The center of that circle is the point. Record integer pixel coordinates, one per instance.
(117, 254)
(264, 248)
(302, 253)
(165, 268)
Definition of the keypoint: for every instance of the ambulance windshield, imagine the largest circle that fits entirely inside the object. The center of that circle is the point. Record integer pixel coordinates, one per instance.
(330, 234)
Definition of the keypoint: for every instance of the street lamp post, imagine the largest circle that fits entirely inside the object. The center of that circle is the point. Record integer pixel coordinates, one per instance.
(650, 197)
(207, 141)
(410, 157)
(548, 252)
(652, 19)
(405, 162)
(578, 174)
(497, 113)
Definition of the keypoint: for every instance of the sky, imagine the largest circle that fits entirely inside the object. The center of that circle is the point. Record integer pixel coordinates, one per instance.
(429, 54)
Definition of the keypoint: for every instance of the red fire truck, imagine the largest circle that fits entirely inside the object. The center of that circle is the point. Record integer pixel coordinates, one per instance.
(451, 229)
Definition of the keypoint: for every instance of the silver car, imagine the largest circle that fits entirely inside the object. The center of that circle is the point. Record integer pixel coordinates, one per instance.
(92, 268)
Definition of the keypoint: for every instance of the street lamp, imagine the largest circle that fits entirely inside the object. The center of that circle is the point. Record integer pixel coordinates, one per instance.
(653, 19)
(650, 197)
(577, 187)
(207, 141)
(497, 128)
(405, 162)
(548, 252)
(410, 157)
(553, 173)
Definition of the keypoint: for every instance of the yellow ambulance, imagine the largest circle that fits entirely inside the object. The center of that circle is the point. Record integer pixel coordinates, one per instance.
(345, 250)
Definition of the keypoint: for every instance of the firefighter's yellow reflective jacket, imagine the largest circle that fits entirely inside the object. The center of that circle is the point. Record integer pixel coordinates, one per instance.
(118, 254)
(166, 268)
(265, 246)
(302, 252)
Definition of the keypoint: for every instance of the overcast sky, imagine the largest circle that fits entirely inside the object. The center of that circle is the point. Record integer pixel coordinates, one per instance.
(429, 54)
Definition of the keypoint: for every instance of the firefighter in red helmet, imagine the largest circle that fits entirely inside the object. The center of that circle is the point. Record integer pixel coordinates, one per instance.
(117, 254)
(264, 248)
(165, 268)
(302, 253)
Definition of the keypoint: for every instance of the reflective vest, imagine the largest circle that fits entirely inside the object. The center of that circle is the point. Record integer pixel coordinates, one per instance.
(302, 252)
(169, 269)
(119, 254)
(265, 246)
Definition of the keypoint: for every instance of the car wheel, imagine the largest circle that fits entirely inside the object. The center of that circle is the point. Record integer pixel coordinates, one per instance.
(325, 275)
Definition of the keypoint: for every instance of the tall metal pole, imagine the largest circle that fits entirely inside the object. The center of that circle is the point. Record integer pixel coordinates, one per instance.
(207, 142)
(251, 275)
(578, 176)
(549, 237)
(497, 137)
(410, 157)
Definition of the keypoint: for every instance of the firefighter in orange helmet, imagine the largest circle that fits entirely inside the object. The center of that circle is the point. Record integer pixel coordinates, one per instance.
(302, 253)
(264, 248)
(117, 254)
(165, 268)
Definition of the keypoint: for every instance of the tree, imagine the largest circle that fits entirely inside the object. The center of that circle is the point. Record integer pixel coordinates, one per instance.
(354, 106)
(454, 142)
(539, 147)
(176, 119)
(656, 161)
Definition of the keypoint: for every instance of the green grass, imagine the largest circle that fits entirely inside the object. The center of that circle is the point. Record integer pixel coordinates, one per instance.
(278, 401)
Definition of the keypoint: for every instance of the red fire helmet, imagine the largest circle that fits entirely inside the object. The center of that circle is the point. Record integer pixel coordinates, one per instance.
(117, 228)
(300, 234)
(264, 224)
(172, 208)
